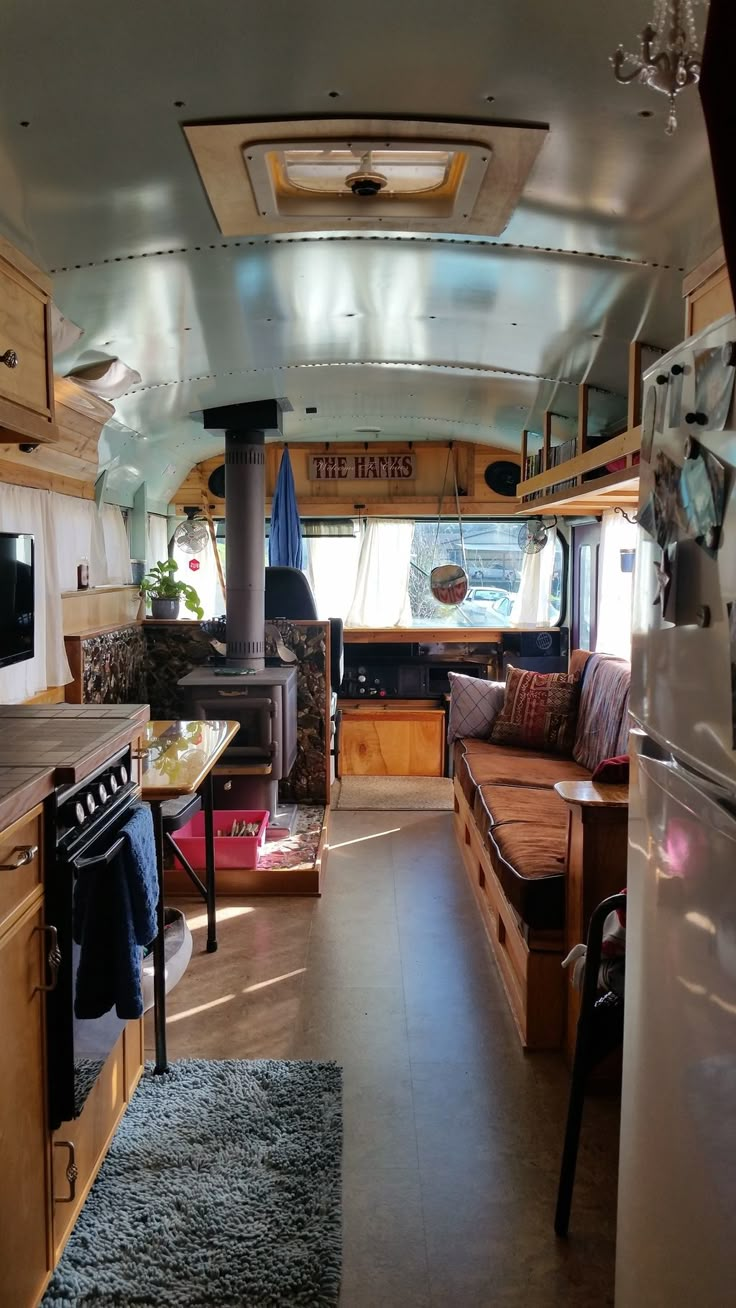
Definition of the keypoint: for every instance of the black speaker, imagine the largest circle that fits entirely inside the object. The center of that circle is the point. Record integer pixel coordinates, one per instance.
(502, 477)
(216, 482)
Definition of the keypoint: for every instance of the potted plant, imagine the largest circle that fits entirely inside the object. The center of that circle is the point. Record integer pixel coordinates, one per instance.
(163, 590)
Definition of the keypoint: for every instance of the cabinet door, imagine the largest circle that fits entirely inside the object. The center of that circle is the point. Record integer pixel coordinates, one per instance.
(401, 743)
(26, 383)
(24, 1149)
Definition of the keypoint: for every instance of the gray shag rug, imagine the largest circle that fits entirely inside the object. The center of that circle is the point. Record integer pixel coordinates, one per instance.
(221, 1186)
(393, 794)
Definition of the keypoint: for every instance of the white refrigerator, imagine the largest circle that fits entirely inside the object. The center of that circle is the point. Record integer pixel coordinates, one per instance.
(676, 1235)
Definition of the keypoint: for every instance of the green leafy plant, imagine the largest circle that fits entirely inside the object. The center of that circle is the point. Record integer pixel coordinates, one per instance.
(160, 583)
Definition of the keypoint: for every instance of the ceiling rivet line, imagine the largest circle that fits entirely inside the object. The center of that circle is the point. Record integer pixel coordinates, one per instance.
(482, 243)
(482, 369)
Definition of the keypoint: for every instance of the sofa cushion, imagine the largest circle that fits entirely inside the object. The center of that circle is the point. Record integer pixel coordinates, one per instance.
(502, 765)
(539, 711)
(543, 809)
(530, 865)
(474, 705)
(525, 833)
(601, 721)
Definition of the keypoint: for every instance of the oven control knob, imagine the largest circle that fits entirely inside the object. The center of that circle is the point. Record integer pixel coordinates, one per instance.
(112, 783)
(88, 800)
(75, 813)
(101, 793)
(121, 772)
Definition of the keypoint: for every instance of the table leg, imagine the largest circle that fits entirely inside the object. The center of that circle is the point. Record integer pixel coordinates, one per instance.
(159, 947)
(209, 844)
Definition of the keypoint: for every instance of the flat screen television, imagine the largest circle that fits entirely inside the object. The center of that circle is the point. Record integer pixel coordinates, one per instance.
(16, 597)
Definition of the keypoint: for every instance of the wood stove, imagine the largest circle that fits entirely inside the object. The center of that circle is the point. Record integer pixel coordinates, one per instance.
(243, 689)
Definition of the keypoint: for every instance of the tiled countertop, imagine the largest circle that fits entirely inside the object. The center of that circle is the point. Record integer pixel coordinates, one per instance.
(43, 745)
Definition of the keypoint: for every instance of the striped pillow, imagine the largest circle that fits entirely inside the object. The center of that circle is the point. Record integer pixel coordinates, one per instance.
(539, 712)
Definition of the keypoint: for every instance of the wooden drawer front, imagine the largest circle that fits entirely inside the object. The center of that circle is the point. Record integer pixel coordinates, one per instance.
(24, 1165)
(18, 883)
(385, 743)
(89, 1135)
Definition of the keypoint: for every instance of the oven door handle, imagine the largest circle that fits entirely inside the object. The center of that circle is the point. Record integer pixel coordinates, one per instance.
(82, 861)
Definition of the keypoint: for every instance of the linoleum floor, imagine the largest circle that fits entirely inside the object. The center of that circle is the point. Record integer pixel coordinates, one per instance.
(452, 1133)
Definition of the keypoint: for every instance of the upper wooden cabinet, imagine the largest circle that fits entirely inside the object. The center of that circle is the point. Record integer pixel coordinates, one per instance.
(26, 380)
(707, 292)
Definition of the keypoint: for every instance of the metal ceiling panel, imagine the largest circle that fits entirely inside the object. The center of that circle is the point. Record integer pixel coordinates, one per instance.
(421, 336)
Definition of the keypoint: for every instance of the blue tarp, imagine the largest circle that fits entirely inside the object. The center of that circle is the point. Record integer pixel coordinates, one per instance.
(285, 539)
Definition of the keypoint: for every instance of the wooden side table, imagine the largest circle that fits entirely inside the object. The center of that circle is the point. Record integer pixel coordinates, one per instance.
(596, 864)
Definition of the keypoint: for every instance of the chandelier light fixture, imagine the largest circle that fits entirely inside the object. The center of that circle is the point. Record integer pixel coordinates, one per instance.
(670, 56)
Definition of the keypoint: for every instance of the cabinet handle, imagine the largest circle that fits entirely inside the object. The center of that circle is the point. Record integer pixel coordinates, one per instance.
(71, 1171)
(10, 359)
(53, 958)
(23, 855)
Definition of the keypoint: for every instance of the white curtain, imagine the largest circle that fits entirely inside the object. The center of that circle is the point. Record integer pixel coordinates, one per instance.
(32, 511)
(157, 539)
(381, 596)
(534, 598)
(332, 570)
(203, 578)
(615, 587)
(116, 545)
(84, 532)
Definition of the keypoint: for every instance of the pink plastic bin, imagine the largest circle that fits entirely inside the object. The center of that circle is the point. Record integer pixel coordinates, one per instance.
(230, 851)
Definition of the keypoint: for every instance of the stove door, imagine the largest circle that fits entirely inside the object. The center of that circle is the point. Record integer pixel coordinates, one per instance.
(257, 716)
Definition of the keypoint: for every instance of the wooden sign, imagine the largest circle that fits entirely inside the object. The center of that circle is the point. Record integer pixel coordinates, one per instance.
(362, 467)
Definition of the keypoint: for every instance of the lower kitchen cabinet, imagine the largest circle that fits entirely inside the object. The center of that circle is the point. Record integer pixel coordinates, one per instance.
(25, 1178)
(381, 740)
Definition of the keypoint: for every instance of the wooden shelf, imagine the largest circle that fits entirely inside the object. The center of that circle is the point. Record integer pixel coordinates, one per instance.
(435, 635)
(610, 488)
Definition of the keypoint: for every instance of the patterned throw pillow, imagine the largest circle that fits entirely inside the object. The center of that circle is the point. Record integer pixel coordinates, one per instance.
(539, 712)
(474, 704)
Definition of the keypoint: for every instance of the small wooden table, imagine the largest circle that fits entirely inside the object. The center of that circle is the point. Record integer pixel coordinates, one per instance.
(596, 864)
(177, 759)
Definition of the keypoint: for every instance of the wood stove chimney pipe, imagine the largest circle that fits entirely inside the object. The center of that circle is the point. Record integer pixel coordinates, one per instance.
(245, 427)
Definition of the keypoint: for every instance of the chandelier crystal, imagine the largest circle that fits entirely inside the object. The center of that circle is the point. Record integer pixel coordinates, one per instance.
(670, 55)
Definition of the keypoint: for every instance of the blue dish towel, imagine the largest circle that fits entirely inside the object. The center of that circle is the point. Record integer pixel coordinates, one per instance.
(114, 917)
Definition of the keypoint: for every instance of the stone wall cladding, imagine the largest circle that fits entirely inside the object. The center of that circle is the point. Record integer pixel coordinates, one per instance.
(173, 650)
(307, 781)
(114, 667)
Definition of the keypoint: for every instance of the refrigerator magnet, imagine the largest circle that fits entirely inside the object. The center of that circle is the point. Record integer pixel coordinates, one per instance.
(713, 387)
(703, 496)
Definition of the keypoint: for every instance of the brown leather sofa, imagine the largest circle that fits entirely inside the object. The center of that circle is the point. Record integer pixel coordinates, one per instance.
(514, 833)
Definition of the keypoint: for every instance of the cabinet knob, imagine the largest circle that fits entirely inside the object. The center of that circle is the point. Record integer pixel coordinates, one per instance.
(71, 1171)
(23, 855)
(53, 958)
(10, 359)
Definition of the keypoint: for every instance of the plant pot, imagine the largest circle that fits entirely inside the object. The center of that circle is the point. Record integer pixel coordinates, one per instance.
(164, 608)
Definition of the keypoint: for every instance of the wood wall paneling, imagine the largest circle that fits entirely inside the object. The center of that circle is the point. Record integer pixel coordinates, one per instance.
(378, 498)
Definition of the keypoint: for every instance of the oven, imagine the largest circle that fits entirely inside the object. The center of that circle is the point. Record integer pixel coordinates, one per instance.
(83, 832)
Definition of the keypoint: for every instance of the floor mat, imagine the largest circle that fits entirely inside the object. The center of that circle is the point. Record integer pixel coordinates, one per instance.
(407, 793)
(221, 1186)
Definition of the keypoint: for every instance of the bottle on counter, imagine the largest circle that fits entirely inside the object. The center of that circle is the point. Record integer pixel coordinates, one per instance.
(83, 574)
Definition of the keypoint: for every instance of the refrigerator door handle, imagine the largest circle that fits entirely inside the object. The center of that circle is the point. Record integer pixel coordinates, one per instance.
(704, 801)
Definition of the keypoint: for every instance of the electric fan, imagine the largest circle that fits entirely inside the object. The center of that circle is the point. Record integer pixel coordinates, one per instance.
(533, 536)
(191, 536)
